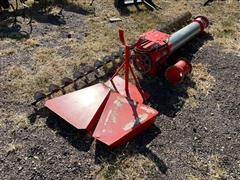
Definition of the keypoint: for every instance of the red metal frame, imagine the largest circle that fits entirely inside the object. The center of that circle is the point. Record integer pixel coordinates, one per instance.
(128, 68)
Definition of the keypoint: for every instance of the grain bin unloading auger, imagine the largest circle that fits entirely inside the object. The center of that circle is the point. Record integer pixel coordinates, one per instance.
(115, 111)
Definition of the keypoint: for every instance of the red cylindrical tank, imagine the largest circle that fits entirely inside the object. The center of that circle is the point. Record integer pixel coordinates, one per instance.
(176, 73)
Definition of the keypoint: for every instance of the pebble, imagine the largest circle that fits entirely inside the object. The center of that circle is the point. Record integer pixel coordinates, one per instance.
(229, 138)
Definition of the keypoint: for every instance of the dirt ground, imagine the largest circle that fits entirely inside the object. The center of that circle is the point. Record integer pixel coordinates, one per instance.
(196, 135)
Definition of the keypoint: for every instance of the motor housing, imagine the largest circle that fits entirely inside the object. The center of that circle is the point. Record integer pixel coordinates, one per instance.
(153, 48)
(150, 51)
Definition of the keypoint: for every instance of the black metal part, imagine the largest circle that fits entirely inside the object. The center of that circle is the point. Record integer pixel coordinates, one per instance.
(107, 59)
(78, 74)
(88, 69)
(39, 95)
(121, 53)
(115, 54)
(98, 64)
(207, 2)
(175, 23)
(4, 4)
(66, 81)
(52, 88)
(123, 3)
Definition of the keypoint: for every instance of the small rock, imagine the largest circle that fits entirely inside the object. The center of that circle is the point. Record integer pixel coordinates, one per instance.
(114, 19)
(36, 157)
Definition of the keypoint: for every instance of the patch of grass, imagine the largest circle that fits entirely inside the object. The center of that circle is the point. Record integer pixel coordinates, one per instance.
(126, 167)
(8, 51)
(211, 165)
(24, 81)
(192, 177)
(31, 42)
(12, 147)
(44, 55)
(15, 71)
(21, 121)
(80, 6)
(16, 120)
(200, 83)
(203, 79)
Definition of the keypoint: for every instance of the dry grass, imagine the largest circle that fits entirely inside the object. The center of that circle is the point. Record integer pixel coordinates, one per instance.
(211, 165)
(21, 121)
(8, 51)
(48, 68)
(126, 167)
(12, 147)
(200, 84)
(15, 120)
(31, 42)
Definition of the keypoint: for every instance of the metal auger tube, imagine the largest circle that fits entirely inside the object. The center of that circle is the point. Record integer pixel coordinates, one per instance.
(180, 37)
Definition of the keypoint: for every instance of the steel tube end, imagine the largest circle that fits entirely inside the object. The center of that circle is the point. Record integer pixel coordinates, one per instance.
(203, 21)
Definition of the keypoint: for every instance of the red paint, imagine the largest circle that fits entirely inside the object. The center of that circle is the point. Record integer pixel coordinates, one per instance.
(153, 44)
(122, 119)
(82, 108)
(176, 73)
(118, 85)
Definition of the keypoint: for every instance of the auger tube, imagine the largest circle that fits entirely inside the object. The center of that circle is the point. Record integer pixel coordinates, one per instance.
(180, 37)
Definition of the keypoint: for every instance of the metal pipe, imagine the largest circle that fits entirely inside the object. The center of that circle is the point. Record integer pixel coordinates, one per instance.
(180, 37)
(126, 2)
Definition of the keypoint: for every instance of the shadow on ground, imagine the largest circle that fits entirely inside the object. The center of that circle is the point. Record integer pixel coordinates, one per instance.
(80, 140)
(139, 145)
(11, 28)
